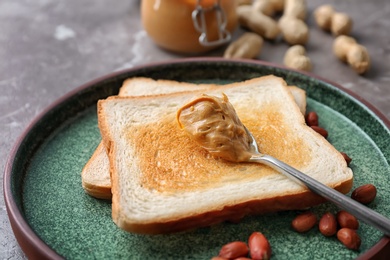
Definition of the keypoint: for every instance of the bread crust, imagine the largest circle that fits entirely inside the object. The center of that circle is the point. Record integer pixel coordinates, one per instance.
(233, 213)
(92, 180)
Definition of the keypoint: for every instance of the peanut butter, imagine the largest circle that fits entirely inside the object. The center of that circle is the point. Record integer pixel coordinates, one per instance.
(214, 124)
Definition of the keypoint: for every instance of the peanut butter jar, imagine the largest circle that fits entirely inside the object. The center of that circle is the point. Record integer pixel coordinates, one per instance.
(189, 26)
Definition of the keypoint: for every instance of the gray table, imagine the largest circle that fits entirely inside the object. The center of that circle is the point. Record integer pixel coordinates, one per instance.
(48, 48)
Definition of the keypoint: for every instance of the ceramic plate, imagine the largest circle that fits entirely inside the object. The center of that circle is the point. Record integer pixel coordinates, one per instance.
(53, 217)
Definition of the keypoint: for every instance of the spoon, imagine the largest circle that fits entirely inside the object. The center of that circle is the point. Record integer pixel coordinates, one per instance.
(357, 209)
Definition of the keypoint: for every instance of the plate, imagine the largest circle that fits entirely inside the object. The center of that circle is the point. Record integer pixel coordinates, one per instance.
(52, 217)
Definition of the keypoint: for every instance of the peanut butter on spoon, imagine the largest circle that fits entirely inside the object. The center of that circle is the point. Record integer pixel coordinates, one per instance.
(213, 123)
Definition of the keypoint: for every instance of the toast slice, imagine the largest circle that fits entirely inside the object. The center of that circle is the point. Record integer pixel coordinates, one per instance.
(163, 182)
(95, 175)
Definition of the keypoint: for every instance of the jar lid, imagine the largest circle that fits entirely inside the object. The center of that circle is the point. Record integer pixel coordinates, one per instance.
(200, 23)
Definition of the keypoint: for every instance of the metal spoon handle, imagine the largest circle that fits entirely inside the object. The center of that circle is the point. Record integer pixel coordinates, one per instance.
(357, 209)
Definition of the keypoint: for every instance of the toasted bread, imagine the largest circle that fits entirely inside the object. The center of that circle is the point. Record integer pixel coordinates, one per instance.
(163, 182)
(95, 175)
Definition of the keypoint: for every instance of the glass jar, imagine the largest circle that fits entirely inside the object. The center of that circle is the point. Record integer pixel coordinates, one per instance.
(189, 26)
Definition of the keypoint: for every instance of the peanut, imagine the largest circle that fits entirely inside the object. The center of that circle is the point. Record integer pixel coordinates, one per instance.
(341, 24)
(358, 58)
(323, 16)
(292, 25)
(330, 20)
(312, 119)
(341, 45)
(248, 46)
(348, 50)
(304, 222)
(268, 7)
(328, 224)
(347, 158)
(234, 249)
(295, 58)
(349, 238)
(259, 246)
(257, 22)
(294, 31)
(320, 130)
(347, 220)
(295, 8)
(364, 194)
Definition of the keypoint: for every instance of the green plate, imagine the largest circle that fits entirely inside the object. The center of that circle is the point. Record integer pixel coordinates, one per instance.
(52, 217)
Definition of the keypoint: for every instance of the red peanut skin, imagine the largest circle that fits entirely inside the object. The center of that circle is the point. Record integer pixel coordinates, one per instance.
(328, 224)
(234, 250)
(320, 130)
(364, 194)
(312, 119)
(304, 222)
(346, 158)
(259, 246)
(347, 220)
(349, 238)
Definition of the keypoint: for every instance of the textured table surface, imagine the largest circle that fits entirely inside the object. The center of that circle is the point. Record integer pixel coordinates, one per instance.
(48, 48)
